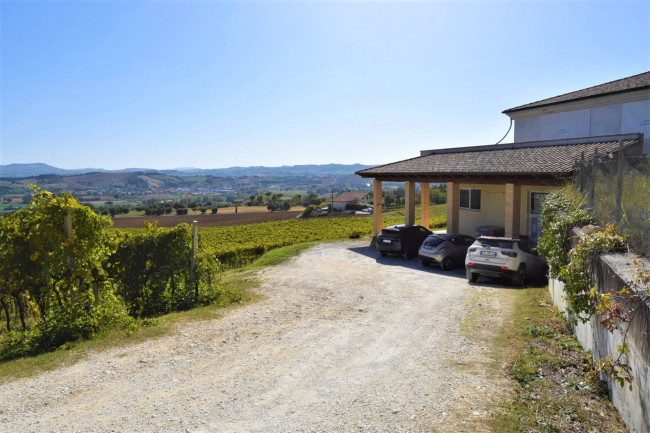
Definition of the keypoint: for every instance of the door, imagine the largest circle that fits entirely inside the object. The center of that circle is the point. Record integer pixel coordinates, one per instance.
(534, 228)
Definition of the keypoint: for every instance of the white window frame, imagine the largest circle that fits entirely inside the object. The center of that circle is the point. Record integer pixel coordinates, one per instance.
(469, 207)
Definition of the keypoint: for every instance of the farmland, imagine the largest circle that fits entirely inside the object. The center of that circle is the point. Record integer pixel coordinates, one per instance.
(238, 239)
(236, 245)
(207, 220)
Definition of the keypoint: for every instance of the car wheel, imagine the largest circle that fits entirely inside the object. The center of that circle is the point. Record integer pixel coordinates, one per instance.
(472, 277)
(383, 253)
(520, 277)
(447, 264)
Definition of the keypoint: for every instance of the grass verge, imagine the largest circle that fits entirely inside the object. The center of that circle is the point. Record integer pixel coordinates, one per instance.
(240, 281)
(548, 369)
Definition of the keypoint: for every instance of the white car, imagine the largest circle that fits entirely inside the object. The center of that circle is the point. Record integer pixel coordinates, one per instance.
(503, 257)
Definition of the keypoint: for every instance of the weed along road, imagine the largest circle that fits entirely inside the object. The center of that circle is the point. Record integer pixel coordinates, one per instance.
(342, 341)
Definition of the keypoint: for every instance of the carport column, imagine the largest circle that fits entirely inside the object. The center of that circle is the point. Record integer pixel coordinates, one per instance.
(513, 208)
(453, 201)
(424, 203)
(409, 211)
(377, 201)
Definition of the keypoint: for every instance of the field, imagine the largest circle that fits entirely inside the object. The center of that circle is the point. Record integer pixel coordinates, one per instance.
(237, 245)
(236, 240)
(207, 220)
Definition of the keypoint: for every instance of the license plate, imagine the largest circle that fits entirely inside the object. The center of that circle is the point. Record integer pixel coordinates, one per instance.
(488, 253)
(387, 241)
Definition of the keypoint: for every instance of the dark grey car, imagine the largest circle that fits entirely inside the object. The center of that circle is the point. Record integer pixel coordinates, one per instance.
(401, 239)
(446, 250)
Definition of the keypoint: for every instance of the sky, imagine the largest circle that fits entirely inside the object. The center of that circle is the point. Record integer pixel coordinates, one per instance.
(212, 84)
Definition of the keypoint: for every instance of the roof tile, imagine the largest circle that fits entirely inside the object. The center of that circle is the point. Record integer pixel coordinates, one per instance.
(496, 160)
(635, 82)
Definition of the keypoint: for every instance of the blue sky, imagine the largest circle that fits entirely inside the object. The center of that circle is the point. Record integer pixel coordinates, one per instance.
(207, 84)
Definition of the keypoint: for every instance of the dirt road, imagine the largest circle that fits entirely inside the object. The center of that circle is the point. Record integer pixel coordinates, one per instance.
(344, 341)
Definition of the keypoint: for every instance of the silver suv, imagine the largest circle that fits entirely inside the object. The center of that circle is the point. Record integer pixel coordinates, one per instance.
(503, 257)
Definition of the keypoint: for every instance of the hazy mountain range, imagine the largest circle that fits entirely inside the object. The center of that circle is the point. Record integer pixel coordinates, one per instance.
(37, 169)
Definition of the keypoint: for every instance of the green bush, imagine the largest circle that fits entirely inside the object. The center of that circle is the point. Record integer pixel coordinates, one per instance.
(560, 212)
(79, 321)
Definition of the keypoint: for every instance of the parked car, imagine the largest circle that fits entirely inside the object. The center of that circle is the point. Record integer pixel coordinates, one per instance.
(401, 239)
(503, 257)
(446, 250)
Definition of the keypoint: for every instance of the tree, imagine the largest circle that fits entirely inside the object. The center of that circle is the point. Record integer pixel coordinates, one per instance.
(259, 200)
(296, 200)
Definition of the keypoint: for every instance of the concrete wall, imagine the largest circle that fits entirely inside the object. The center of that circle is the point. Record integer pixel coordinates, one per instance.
(611, 272)
(628, 117)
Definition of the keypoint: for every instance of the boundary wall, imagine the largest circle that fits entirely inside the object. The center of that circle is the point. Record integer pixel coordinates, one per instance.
(611, 273)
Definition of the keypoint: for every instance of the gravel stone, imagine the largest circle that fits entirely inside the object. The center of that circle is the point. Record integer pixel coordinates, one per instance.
(344, 340)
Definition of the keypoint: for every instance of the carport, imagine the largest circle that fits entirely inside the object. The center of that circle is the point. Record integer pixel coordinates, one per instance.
(494, 185)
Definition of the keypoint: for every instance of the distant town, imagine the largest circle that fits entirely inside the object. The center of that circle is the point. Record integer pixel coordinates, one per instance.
(100, 188)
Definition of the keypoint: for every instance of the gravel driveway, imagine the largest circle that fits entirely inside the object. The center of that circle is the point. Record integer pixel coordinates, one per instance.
(343, 341)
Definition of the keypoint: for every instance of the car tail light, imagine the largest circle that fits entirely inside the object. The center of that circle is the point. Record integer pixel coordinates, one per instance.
(509, 253)
(471, 250)
(505, 268)
(470, 264)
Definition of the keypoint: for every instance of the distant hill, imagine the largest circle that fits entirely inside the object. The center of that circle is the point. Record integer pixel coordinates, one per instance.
(285, 170)
(37, 169)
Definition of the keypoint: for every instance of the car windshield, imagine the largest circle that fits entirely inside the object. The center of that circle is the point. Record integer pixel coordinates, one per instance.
(498, 243)
(433, 241)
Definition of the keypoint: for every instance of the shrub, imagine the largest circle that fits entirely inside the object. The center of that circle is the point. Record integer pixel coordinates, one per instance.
(560, 212)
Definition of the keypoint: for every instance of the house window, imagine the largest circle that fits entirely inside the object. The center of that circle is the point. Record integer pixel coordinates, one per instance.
(470, 199)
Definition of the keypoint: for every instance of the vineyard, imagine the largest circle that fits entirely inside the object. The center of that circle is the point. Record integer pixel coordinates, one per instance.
(67, 275)
(238, 245)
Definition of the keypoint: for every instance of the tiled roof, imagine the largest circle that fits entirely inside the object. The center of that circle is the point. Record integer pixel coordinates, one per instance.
(350, 196)
(517, 159)
(635, 82)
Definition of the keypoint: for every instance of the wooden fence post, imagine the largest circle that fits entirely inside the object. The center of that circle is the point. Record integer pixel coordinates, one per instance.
(68, 233)
(592, 190)
(582, 172)
(194, 235)
(619, 182)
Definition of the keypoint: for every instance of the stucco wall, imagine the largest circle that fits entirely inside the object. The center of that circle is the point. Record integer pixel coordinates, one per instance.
(493, 208)
(622, 118)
